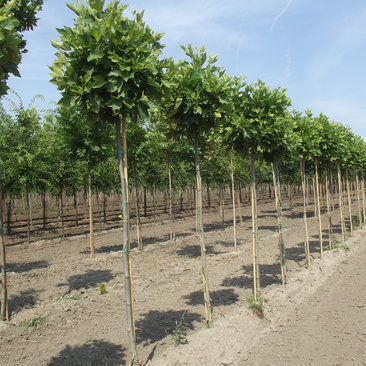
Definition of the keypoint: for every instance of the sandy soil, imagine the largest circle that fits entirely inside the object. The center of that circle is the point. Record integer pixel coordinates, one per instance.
(56, 281)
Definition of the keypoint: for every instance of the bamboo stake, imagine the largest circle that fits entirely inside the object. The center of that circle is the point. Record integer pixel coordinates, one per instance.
(340, 198)
(4, 310)
(330, 232)
(233, 199)
(206, 291)
(281, 244)
(318, 210)
(171, 203)
(138, 221)
(363, 199)
(349, 204)
(126, 251)
(256, 276)
(306, 230)
(358, 200)
(91, 223)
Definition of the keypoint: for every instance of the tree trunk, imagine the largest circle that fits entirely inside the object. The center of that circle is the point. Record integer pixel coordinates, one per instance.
(76, 207)
(105, 208)
(4, 285)
(138, 221)
(340, 198)
(8, 215)
(28, 215)
(363, 199)
(145, 201)
(91, 221)
(318, 209)
(256, 275)
(358, 200)
(233, 199)
(329, 212)
(206, 291)
(281, 243)
(61, 203)
(171, 204)
(349, 204)
(306, 230)
(44, 208)
(126, 251)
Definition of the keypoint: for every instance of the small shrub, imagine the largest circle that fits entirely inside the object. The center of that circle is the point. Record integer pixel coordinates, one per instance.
(257, 306)
(102, 289)
(34, 322)
(68, 297)
(180, 332)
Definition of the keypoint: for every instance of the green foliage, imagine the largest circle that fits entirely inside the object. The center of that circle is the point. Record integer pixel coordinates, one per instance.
(257, 305)
(260, 124)
(107, 63)
(68, 297)
(102, 289)
(15, 16)
(198, 95)
(179, 334)
(34, 322)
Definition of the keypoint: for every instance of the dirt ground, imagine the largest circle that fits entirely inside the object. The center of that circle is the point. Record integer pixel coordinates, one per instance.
(55, 284)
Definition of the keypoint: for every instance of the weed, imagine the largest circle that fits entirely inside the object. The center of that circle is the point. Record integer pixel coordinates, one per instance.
(88, 339)
(355, 221)
(102, 289)
(34, 322)
(68, 297)
(180, 332)
(257, 305)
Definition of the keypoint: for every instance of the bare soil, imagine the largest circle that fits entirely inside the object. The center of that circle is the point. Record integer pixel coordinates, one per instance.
(55, 282)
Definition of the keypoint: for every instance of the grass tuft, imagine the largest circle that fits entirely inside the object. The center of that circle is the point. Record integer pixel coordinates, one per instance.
(179, 335)
(257, 306)
(33, 323)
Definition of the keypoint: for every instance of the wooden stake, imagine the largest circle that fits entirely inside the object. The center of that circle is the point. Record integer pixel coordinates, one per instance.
(206, 290)
(349, 204)
(281, 243)
(233, 199)
(306, 230)
(340, 198)
(91, 223)
(126, 251)
(318, 209)
(256, 276)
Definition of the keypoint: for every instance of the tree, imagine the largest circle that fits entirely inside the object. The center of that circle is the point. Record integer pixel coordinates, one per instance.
(255, 130)
(197, 100)
(16, 16)
(108, 64)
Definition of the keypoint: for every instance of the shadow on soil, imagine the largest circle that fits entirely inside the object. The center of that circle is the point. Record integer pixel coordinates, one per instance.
(26, 299)
(270, 274)
(93, 353)
(156, 325)
(91, 278)
(27, 266)
(194, 251)
(219, 297)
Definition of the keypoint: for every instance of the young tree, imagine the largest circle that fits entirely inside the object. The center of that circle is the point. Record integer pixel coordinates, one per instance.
(198, 99)
(108, 64)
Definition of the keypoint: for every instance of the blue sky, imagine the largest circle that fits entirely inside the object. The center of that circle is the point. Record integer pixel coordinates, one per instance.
(315, 49)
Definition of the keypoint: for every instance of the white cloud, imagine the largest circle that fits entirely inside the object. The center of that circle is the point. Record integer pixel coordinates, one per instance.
(280, 14)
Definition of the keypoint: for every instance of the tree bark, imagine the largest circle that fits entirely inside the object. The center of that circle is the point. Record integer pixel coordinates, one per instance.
(256, 275)
(206, 291)
(233, 200)
(126, 251)
(278, 200)
(306, 230)
(318, 209)
(4, 285)
(91, 221)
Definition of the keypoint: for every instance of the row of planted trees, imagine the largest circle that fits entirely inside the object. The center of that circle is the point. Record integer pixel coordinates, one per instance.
(171, 119)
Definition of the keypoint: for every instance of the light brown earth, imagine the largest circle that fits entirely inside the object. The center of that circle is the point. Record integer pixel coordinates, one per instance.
(304, 321)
